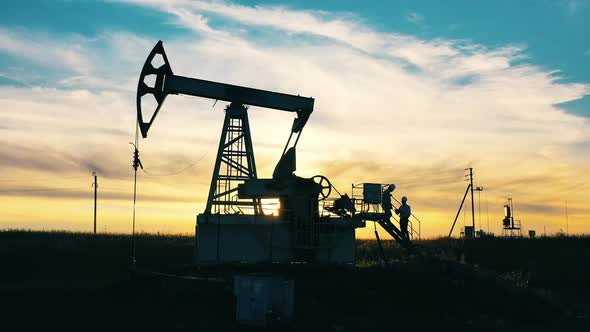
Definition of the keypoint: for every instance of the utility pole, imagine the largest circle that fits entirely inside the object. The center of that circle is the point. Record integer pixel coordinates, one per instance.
(95, 185)
(567, 226)
(472, 203)
(479, 190)
(469, 188)
(487, 213)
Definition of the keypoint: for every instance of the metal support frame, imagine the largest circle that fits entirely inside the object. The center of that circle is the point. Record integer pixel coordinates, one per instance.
(472, 189)
(234, 164)
(374, 212)
(509, 231)
(472, 202)
(460, 208)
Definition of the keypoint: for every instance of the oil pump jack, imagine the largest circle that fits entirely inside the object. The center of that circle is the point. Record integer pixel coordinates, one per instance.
(234, 227)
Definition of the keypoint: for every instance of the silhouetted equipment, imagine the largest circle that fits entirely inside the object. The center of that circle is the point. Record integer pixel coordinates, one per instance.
(136, 164)
(469, 231)
(369, 206)
(472, 201)
(507, 221)
(510, 227)
(234, 226)
(165, 83)
(479, 189)
(342, 206)
(235, 157)
(532, 233)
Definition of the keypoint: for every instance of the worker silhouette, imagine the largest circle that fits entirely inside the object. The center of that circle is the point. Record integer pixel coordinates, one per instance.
(404, 211)
(386, 201)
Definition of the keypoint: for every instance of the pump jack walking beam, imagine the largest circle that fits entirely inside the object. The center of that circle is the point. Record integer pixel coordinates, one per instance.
(167, 83)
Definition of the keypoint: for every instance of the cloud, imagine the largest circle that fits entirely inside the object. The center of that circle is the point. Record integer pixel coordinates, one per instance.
(389, 107)
(48, 52)
(105, 194)
(415, 18)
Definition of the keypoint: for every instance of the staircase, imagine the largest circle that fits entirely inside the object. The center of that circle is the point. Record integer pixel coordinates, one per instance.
(388, 226)
(395, 232)
(366, 199)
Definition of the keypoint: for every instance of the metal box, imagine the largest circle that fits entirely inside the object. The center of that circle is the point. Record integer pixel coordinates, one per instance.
(222, 239)
(372, 193)
(469, 234)
(263, 300)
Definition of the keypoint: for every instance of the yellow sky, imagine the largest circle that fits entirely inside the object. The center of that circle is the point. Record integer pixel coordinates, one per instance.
(169, 204)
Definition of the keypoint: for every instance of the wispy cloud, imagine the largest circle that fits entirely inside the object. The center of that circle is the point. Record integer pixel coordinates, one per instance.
(415, 18)
(43, 50)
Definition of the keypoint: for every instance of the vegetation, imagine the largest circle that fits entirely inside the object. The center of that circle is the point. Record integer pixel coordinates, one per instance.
(74, 281)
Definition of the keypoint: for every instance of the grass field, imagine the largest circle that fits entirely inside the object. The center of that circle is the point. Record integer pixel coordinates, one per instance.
(54, 281)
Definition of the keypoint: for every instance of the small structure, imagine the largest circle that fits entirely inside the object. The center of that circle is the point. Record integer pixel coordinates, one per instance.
(367, 200)
(469, 233)
(511, 227)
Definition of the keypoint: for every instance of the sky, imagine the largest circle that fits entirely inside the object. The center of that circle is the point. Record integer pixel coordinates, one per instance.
(408, 92)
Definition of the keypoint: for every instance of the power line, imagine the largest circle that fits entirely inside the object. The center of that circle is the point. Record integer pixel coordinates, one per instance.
(182, 170)
(437, 182)
(113, 189)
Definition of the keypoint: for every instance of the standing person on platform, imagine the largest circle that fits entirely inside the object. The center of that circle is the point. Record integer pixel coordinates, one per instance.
(404, 212)
(386, 201)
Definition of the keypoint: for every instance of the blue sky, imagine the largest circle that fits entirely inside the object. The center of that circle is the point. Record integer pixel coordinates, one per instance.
(451, 84)
(555, 33)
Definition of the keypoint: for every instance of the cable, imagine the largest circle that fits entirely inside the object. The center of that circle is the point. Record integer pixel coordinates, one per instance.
(438, 182)
(113, 189)
(333, 186)
(182, 170)
(136, 163)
